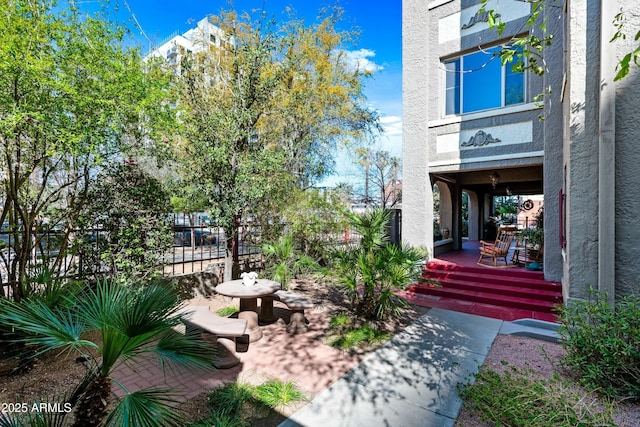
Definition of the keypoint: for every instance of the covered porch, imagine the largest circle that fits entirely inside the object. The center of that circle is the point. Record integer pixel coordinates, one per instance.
(454, 281)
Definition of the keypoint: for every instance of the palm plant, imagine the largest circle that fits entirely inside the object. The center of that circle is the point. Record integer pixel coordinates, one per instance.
(373, 270)
(132, 322)
(285, 260)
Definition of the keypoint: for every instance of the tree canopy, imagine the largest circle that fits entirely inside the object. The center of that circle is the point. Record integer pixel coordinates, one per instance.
(71, 96)
(526, 52)
(264, 113)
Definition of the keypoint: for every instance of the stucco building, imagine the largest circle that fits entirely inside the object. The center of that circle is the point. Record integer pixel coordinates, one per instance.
(472, 125)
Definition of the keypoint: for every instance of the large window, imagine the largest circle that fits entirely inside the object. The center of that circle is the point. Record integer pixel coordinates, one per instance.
(478, 81)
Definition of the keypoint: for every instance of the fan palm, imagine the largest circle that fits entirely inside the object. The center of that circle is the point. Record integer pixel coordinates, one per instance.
(372, 270)
(132, 322)
(285, 260)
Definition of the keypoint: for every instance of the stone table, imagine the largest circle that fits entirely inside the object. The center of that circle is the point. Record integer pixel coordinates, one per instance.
(248, 296)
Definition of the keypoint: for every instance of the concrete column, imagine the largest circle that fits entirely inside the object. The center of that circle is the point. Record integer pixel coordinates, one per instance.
(607, 159)
(417, 192)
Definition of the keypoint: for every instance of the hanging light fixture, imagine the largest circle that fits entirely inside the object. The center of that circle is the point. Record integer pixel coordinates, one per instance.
(495, 179)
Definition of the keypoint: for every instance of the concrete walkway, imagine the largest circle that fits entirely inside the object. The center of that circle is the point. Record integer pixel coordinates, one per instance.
(411, 380)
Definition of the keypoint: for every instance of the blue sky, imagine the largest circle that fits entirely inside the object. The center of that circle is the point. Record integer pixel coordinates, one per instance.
(380, 43)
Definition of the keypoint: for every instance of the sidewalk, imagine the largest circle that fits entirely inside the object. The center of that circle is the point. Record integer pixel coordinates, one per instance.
(411, 380)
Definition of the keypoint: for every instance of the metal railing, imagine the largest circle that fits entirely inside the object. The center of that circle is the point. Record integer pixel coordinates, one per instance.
(198, 244)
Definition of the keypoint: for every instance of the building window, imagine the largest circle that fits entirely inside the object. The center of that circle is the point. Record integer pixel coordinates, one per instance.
(478, 81)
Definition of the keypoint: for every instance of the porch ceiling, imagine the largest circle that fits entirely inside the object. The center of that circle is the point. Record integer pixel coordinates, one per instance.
(521, 180)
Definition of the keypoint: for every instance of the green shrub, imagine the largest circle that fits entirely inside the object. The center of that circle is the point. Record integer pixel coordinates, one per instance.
(358, 337)
(283, 261)
(340, 321)
(275, 393)
(515, 399)
(347, 334)
(238, 404)
(229, 399)
(373, 270)
(603, 345)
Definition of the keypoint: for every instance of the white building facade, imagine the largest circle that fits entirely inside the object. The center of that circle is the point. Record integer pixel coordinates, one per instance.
(199, 39)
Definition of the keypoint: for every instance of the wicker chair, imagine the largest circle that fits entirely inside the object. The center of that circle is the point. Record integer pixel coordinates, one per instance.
(498, 249)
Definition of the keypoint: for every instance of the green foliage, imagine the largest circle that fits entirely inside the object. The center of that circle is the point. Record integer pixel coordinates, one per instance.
(227, 311)
(130, 208)
(43, 284)
(145, 408)
(526, 52)
(515, 399)
(624, 66)
(506, 205)
(235, 404)
(315, 220)
(277, 394)
(374, 269)
(437, 234)
(283, 261)
(271, 119)
(71, 98)
(523, 52)
(357, 337)
(603, 344)
(132, 321)
(340, 321)
(349, 333)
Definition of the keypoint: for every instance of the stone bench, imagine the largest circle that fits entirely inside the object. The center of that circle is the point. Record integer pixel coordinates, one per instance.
(216, 329)
(296, 303)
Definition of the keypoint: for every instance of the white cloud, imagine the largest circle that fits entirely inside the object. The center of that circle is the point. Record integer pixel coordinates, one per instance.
(392, 125)
(359, 59)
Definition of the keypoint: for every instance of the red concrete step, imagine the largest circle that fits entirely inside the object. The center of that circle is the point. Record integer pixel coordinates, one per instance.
(488, 298)
(508, 272)
(491, 278)
(510, 289)
(487, 310)
(513, 288)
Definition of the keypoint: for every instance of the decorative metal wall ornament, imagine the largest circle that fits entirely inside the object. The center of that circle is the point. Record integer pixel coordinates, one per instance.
(527, 205)
(480, 16)
(495, 179)
(480, 139)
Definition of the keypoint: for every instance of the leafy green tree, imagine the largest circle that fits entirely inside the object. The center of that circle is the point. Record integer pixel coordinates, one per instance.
(526, 52)
(315, 219)
(130, 208)
(263, 114)
(132, 322)
(374, 269)
(71, 98)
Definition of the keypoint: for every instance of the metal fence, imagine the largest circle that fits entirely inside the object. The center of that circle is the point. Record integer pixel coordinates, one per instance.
(198, 244)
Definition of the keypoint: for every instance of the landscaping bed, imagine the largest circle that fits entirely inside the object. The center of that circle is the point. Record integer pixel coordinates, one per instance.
(307, 360)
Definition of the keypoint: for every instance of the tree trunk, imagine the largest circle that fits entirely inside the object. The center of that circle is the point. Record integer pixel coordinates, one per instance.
(92, 407)
(232, 257)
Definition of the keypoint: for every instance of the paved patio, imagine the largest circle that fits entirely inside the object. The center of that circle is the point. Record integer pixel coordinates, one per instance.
(303, 358)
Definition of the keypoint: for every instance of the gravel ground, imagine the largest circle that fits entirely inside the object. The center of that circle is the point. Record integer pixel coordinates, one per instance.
(543, 358)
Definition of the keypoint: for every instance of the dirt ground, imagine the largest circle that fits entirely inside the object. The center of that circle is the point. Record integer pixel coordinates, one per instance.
(543, 358)
(305, 357)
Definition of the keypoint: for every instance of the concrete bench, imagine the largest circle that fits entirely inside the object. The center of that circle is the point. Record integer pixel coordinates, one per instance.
(297, 304)
(216, 329)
